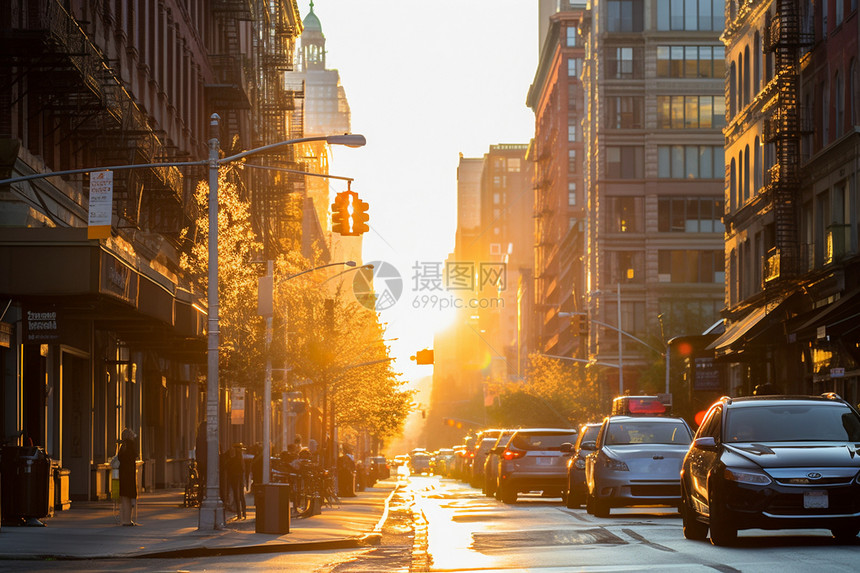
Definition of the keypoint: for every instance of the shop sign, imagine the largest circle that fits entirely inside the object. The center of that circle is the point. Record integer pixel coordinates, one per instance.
(706, 375)
(117, 279)
(41, 326)
(237, 403)
(5, 335)
(837, 372)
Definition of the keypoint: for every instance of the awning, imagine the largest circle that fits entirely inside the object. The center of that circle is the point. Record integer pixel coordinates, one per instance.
(835, 319)
(750, 330)
(737, 330)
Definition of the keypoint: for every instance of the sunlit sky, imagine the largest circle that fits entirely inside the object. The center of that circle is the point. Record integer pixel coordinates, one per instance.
(425, 81)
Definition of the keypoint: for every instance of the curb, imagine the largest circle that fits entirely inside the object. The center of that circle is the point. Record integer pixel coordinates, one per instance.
(365, 540)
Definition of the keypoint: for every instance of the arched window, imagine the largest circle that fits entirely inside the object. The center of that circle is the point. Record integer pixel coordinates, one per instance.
(757, 55)
(825, 113)
(746, 76)
(740, 82)
(733, 91)
(746, 174)
(733, 278)
(853, 86)
(733, 186)
(839, 107)
(757, 172)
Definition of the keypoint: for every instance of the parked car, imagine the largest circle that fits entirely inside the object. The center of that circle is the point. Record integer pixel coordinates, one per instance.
(485, 440)
(586, 442)
(532, 461)
(458, 464)
(491, 464)
(773, 462)
(636, 461)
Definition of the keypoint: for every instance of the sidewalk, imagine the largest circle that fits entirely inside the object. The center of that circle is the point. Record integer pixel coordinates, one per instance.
(91, 530)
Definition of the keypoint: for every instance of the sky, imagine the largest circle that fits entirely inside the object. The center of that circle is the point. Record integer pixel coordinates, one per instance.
(425, 82)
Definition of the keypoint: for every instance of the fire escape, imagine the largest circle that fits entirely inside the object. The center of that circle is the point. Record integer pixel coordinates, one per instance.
(280, 118)
(784, 128)
(88, 114)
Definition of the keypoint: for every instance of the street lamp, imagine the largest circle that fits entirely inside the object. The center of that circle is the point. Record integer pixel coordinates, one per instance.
(212, 508)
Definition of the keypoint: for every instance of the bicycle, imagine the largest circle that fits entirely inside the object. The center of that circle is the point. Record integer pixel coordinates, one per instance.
(311, 487)
(193, 489)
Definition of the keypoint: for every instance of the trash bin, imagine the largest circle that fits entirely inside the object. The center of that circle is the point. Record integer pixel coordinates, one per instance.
(272, 507)
(27, 485)
(62, 502)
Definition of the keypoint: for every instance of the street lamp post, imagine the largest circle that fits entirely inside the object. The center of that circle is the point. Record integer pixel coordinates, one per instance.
(212, 508)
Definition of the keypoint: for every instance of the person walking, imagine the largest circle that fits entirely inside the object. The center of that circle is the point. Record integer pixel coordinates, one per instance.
(127, 456)
(234, 470)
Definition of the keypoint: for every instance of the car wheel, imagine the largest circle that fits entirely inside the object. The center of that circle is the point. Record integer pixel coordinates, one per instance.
(693, 528)
(600, 507)
(573, 499)
(723, 531)
(508, 495)
(847, 534)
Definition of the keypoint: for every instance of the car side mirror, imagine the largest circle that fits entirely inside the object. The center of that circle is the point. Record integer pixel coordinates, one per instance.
(705, 443)
(566, 447)
(588, 446)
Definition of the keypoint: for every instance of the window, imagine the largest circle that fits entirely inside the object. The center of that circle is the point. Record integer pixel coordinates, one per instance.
(571, 129)
(625, 267)
(571, 36)
(691, 266)
(572, 165)
(690, 215)
(624, 162)
(839, 110)
(624, 16)
(691, 112)
(574, 67)
(691, 15)
(624, 63)
(625, 112)
(625, 214)
(690, 162)
(571, 193)
(691, 61)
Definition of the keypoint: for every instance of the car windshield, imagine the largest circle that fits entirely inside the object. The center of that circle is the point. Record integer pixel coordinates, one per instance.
(641, 432)
(792, 423)
(545, 442)
(590, 433)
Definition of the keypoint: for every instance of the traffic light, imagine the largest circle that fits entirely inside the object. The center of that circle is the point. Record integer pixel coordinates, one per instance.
(349, 214)
(359, 216)
(340, 222)
(423, 357)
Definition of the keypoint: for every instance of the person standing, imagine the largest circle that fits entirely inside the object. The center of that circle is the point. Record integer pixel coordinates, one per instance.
(127, 456)
(234, 470)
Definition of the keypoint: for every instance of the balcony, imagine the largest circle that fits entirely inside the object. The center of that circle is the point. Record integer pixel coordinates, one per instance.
(770, 270)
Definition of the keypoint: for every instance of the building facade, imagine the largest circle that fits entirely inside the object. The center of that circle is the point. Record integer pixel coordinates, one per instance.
(655, 105)
(557, 98)
(792, 149)
(99, 334)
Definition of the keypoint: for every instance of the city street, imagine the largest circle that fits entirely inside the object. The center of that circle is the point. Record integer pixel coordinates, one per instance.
(437, 524)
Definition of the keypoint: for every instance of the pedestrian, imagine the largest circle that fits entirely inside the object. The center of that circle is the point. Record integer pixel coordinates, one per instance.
(127, 456)
(257, 464)
(234, 470)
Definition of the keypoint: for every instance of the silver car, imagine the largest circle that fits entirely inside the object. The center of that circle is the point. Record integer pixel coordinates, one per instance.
(637, 462)
(533, 461)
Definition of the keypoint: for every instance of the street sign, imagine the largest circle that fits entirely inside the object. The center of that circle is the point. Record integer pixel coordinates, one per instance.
(101, 205)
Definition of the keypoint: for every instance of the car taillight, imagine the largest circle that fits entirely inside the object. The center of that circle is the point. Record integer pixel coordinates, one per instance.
(513, 454)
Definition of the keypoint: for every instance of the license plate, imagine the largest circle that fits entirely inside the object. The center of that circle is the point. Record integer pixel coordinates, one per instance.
(543, 461)
(815, 500)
